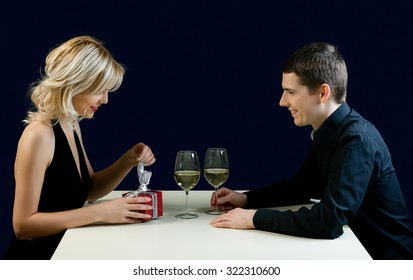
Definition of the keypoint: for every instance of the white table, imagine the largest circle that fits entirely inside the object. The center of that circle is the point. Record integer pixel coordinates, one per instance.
(169, 238)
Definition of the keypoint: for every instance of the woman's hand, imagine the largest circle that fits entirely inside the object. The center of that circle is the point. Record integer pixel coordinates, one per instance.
(140, 152)
(123, 210)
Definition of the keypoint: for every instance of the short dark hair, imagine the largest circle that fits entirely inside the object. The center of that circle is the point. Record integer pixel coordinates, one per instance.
(319, 63)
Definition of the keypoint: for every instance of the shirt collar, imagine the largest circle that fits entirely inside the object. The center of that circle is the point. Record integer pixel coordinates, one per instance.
(323, 135)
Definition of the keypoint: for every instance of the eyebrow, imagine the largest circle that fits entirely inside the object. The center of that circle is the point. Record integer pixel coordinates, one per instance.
(288, 89)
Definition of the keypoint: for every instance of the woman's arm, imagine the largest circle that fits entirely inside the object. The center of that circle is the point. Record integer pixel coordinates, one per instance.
(34, 154)
(106, 180)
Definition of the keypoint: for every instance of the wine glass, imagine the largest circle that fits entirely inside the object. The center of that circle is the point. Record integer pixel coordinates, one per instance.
(187, 173)
(216, 171)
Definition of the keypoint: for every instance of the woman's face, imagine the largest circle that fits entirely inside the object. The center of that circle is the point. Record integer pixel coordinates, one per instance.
(87, 105)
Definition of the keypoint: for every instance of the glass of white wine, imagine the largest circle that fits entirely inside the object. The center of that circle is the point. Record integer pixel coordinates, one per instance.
(216, 171)
(187, 172)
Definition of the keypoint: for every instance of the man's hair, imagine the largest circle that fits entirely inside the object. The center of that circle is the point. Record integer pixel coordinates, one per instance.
(318, 63)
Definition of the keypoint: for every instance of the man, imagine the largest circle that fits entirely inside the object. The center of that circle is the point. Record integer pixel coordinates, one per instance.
(348, 168)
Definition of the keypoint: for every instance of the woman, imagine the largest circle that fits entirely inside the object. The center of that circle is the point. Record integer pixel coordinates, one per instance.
(53, 175)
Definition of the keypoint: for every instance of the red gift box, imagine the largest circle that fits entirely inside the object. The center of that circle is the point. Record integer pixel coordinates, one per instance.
(156, 203)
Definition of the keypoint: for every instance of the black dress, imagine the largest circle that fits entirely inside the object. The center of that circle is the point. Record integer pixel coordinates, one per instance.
(63, 189)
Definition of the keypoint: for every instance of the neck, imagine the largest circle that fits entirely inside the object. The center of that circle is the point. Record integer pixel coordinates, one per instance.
(67, 123)
(326, 112)
(332, 108)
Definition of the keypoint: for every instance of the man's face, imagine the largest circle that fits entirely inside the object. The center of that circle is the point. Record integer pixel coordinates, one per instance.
(297, 98)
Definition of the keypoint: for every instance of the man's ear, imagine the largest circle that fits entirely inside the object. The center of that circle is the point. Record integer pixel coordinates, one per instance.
(325, 93)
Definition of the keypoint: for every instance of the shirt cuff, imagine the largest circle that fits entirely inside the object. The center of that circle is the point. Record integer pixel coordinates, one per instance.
(265, 219)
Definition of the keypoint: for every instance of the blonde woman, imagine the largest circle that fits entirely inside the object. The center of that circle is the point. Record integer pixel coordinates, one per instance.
(53, 175)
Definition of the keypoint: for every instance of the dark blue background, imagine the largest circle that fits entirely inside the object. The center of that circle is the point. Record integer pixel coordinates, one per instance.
(206, 73)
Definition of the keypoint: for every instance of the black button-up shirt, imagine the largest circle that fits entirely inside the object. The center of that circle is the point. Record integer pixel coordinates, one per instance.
(349, 169)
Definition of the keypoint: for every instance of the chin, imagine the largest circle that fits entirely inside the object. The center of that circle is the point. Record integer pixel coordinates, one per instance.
(88, 116)
(299, 124)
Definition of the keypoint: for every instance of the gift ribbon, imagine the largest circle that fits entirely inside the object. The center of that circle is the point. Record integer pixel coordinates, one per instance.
(143, 177)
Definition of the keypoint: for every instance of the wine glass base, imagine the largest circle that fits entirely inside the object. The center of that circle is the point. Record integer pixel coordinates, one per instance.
(214, 212)
(186, 216)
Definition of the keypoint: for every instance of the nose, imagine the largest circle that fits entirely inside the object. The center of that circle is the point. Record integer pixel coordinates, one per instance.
(105, 98)
(283, 100)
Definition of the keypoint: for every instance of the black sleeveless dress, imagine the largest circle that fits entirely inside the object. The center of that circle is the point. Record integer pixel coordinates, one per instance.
(63, 189)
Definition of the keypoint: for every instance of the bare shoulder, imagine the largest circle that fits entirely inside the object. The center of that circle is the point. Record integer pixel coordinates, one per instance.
(37, 137)
(38, 132)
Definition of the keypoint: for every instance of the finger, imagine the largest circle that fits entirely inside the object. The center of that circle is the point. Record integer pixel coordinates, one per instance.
(129, 220)
(137, 207)
(219, 219)
(213, 200)
(138, 214)
(142, 216)
(222, 224)
(222, 199)
(137, 151)
(138, 199)
(151, 161)
(225, 208)
(133, 219)
(148, 158)
(142, 150)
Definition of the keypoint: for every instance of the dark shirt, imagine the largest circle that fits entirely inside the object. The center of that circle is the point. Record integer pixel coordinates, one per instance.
(349, 169)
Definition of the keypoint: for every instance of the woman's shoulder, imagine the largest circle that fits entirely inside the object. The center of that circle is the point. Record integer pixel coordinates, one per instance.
(38, 132)
(36, 144)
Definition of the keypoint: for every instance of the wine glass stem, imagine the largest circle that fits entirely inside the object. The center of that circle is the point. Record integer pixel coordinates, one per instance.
(216, 202)
(186, 201)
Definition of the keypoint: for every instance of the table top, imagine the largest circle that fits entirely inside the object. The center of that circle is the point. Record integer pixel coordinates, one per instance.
(170, 238)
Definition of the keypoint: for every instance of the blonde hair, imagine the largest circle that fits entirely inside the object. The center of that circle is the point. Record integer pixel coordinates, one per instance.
(81, 65)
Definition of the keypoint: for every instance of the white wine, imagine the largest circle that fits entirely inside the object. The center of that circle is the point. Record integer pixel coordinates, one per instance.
(187, 179)
(216, 176)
